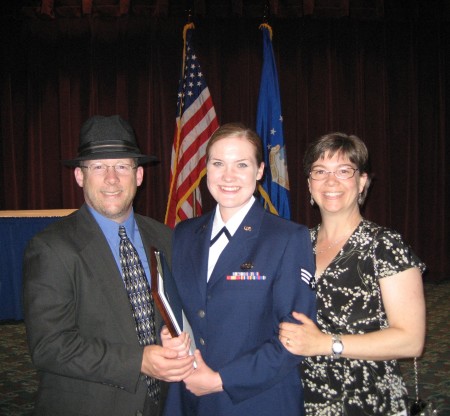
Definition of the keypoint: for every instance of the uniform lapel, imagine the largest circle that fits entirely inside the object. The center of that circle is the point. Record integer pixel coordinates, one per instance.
(238, 254)
(199, 250)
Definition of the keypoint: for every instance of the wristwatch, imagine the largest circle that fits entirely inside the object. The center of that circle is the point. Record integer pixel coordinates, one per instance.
(336, 346)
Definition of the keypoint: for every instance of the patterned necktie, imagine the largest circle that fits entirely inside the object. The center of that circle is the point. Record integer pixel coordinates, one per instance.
(140, 298)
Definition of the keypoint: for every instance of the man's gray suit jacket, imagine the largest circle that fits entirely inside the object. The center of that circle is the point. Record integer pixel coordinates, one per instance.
(80, 328)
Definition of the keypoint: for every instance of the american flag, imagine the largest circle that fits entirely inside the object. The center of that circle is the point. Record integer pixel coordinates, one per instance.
(196, 121)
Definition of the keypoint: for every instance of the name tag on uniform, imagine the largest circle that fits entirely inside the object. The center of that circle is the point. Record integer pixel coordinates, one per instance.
(246, 276)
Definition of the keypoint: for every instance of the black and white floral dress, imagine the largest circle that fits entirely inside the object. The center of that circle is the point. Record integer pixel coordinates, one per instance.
(348, 302)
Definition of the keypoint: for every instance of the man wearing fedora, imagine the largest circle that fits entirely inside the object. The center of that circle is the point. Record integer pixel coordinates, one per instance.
(94, 343)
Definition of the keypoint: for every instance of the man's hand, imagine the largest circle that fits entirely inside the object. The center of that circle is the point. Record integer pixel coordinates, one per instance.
(180, 344)
(163, 363)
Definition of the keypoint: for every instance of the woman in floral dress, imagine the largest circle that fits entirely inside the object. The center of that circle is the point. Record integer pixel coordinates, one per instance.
(371, 308)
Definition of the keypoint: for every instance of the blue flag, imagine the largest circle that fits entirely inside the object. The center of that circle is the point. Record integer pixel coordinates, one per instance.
(269, 125)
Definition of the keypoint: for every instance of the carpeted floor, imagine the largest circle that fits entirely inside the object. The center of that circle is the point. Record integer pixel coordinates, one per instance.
(18, 379)
(434, 365)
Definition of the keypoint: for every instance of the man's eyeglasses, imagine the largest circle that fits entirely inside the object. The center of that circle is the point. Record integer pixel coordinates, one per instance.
(341, 173)
(100, 169)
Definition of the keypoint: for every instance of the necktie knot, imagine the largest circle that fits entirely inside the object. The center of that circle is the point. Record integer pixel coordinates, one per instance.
(225, 231)
(122, 232)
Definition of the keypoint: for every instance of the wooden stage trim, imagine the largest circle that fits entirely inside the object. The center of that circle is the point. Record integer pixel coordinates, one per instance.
(37, 213)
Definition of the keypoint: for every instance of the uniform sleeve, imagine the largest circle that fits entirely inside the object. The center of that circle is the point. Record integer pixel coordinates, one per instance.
(265, 366)
(393, 255)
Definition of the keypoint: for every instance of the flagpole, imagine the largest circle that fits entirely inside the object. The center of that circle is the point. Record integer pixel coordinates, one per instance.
(196, 121)
(266, 13)
(177, 139)
(194, 203)
(274, 188)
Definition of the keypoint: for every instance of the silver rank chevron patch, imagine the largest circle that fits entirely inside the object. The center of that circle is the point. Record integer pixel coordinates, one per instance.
(308, 278)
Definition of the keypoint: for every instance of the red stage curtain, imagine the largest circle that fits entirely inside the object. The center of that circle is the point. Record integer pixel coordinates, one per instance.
(384, 78)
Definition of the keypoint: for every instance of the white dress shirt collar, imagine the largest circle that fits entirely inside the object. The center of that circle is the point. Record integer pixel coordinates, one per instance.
(232, 225)
(234, 222)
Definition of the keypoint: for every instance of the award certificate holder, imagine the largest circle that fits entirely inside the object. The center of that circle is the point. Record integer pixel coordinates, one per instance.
(166, 297)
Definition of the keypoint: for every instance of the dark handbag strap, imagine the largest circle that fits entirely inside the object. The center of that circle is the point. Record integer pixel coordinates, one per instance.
(418, 402)
(416, 379)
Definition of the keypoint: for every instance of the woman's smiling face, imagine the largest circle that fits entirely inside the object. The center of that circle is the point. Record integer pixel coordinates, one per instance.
(232, 173)
(333, 194)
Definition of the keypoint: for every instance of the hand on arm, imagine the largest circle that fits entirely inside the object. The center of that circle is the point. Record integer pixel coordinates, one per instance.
(203, 380)
(305, 338)
(404, 303)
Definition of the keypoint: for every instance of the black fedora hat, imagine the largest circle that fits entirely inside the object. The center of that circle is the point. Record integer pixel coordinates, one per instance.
(108, 138)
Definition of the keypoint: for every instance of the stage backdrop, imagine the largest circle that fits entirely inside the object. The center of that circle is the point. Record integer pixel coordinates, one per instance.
(378, 71)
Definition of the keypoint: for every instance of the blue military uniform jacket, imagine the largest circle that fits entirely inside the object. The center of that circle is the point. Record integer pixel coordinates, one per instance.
(256, 283)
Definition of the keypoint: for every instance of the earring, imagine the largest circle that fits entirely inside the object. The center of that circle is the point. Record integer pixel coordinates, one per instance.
(360, 199)
(311, 201)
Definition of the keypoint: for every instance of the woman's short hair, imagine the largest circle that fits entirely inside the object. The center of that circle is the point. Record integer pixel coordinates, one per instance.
(237, 130)
(349, 146)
